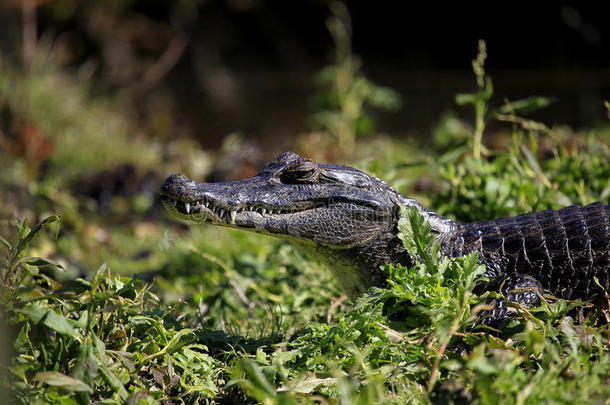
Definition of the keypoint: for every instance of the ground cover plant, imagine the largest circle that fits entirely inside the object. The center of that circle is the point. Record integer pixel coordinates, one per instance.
(106, 300)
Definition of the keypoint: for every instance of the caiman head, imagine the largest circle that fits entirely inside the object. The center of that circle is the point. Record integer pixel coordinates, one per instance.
(338, 214)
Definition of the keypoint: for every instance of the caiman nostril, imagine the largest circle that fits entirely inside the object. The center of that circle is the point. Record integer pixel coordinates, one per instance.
(176, 184)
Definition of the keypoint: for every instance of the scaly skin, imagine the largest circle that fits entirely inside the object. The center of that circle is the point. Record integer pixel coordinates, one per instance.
(348, 220)
(564, 250)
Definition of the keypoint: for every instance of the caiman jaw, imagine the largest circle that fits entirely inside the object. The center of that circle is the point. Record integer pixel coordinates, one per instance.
(208, 210)
(292, 198)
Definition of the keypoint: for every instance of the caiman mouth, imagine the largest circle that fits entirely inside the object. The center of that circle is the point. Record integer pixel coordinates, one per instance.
(207, 210)
(329, 214)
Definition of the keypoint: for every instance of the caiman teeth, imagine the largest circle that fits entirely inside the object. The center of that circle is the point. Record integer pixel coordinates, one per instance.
(231, 213)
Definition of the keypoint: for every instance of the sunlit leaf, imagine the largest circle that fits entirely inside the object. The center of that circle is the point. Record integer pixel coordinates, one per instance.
(63, 381)
(25, 240)
(308, 384)
(464, 99)
(39, 261)
(50, 319)
(526, 105)
(6, 243)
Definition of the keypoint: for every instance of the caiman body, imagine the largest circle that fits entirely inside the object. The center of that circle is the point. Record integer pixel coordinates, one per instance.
(349, 220)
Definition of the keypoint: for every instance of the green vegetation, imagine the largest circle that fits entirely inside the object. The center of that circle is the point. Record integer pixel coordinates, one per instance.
(207, 315)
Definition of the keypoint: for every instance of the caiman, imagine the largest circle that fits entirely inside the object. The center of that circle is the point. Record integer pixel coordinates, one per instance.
(349, 220)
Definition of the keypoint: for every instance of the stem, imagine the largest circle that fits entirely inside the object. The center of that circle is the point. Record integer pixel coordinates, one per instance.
(441, 351)
(479, 128)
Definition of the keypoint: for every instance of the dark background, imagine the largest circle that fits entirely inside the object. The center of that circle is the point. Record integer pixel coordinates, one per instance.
(248, 65)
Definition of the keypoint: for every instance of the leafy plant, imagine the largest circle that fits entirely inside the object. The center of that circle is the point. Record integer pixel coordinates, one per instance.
(480, 101)
(426, 305)
(107, 339)
(536, 172)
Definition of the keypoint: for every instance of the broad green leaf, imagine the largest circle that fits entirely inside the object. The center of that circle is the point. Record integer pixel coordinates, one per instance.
(526, 105)
(50, 319)
(100, 274)
(39, 261)
(140, 398)
(414, 231)
(23, 228)
(407, 233)
(25, 240)
(6, 243)
(255, 382)
(384, 98)
(305, 386)
(87, 364)
(60, 324)
(175, 343)
(464, 98)
(57, 379)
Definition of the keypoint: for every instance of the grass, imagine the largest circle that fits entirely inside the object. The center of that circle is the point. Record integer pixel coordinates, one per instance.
(130, 307)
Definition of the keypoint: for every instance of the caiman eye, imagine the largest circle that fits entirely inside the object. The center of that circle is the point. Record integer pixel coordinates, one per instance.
(304, 171)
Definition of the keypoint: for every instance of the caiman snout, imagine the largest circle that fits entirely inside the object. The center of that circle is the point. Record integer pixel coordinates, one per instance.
(177, 185)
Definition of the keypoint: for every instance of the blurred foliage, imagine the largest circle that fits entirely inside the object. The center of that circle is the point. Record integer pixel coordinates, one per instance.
(51, 118)
(340, 107)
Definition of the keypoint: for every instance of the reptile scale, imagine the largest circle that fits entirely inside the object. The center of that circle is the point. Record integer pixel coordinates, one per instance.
(349, 219)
